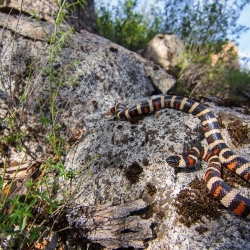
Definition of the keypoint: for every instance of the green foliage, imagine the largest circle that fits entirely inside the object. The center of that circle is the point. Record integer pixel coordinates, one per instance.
(24, 218)
(239, 83)
(15, 136)
(125, 25)
(197, 23)
(19, 222)
(16, 212)
(202, 22)
(14, 139)
(204, 26)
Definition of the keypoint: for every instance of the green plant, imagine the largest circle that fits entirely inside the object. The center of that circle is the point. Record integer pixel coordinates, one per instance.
(125, 25)
(15, 211)
(24, 217)
(15, 136)
(239, 83)
(204, 23)
(205, 27)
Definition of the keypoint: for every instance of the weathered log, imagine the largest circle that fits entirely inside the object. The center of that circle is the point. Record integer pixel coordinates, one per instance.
(113, 225)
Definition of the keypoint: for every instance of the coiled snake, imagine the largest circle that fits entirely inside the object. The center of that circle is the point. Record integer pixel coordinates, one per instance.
(217, 154)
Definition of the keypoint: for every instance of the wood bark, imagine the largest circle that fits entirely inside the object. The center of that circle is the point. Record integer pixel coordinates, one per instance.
(114, 226)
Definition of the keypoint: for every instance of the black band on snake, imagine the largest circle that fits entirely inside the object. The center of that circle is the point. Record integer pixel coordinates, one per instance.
(219, 153)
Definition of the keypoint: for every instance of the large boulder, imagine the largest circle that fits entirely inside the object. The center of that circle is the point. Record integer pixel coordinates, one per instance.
(124, 193)
(229, 56)
(166, 50)
(131, 166)
(80, 17)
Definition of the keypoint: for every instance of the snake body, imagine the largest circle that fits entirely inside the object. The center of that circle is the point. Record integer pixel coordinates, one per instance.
(217, 154)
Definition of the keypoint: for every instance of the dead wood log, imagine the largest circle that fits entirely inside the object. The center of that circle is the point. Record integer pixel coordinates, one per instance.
(112, 226)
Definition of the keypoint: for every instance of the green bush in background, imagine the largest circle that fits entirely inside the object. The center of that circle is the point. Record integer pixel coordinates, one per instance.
(204, 26)
(127, 25)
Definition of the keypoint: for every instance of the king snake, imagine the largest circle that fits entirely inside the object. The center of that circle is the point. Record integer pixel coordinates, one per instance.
(219, 153)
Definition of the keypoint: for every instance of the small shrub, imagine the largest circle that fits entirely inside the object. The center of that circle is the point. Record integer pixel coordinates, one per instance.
(125, 25)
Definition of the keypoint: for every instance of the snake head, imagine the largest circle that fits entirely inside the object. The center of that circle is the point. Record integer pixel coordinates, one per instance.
(112, 111)
(117, 108)
(173, 161)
